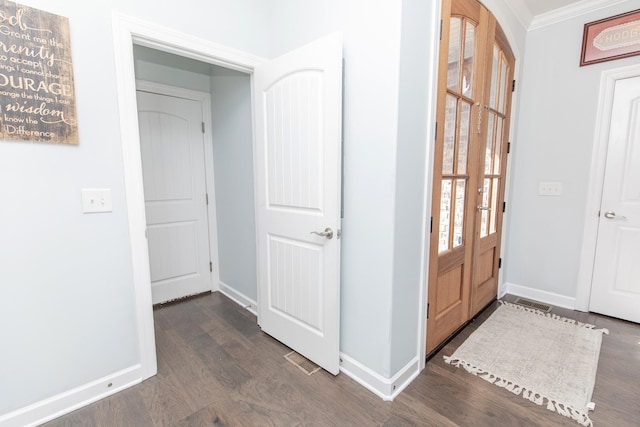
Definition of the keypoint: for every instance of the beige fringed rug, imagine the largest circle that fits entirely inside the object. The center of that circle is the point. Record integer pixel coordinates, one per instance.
(548, 359)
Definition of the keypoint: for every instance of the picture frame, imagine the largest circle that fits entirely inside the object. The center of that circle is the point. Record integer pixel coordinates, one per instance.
(37, 99)
(611, 38)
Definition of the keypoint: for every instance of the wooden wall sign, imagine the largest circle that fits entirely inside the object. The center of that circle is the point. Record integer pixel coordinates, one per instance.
(37, 96)
(611, 38)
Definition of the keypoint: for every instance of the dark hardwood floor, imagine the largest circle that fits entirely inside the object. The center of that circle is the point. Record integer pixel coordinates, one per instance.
(216, 368)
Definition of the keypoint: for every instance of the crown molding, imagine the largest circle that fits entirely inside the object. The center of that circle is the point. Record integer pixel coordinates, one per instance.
(570, 11)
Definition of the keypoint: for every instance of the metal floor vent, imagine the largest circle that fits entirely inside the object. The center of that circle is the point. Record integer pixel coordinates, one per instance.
(531, 304)
(305, 365)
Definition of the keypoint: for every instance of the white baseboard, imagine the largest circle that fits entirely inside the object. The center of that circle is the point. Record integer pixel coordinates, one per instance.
(541, 296)
(63, 403)
(385, 388)
(240, 298)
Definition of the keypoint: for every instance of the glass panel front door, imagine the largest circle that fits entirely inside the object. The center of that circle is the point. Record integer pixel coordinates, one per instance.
(469, 158)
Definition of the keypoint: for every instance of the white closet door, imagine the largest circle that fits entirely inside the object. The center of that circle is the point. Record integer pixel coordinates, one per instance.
(616, 276)
(173, 168)
(298, 99)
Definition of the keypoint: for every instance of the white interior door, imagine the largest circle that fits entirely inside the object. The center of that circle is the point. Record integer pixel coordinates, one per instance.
(173, 168)
(298, 101)
(616, 274)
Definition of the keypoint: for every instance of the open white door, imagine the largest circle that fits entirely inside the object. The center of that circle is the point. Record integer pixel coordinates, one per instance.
(616, 273)
(298, 102)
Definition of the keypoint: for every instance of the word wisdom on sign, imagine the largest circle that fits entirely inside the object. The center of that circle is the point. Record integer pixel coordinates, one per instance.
(37, 99)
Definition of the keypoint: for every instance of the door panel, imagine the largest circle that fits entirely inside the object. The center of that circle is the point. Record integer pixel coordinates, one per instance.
(164, 263)
(173, 168)
(295, 276)
(298, 158)
(294, 167)
(449, 289)
(493, 160)
(469, 159)
(616, 275)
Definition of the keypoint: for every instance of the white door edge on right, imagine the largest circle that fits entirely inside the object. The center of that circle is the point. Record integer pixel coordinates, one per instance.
(615, 289)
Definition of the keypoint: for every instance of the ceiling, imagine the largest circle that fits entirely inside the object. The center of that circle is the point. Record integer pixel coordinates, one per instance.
(539, 13)
(538, 7)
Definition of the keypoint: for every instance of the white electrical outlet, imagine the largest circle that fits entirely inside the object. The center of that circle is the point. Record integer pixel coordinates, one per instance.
(95, 200)
(549, 188)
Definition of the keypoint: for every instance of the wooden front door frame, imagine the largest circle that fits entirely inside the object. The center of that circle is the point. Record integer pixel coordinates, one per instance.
(510, 27)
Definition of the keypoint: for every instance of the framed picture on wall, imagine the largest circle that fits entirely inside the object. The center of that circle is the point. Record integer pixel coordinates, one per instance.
(37, 90)
(611, 38)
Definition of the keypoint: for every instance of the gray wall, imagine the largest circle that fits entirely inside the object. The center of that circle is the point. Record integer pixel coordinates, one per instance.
(556, 130)
(233, 157)
(415, 148)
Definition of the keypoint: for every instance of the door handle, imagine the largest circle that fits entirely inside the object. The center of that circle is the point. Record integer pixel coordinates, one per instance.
(612, 215)
(483, 208)
(328, 233)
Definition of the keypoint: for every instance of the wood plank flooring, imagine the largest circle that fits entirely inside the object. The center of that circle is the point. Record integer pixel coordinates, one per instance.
(216, 368)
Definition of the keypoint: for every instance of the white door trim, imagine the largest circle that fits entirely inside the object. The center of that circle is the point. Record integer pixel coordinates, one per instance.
(432, 96)
(127, 31)
(596, 181)
(204, 99)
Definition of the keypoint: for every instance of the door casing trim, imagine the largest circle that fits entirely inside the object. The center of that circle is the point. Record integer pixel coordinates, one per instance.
(127, 31)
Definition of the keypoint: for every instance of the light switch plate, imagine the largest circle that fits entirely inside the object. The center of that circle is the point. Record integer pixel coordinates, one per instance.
(95, 200)
(549, 188)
